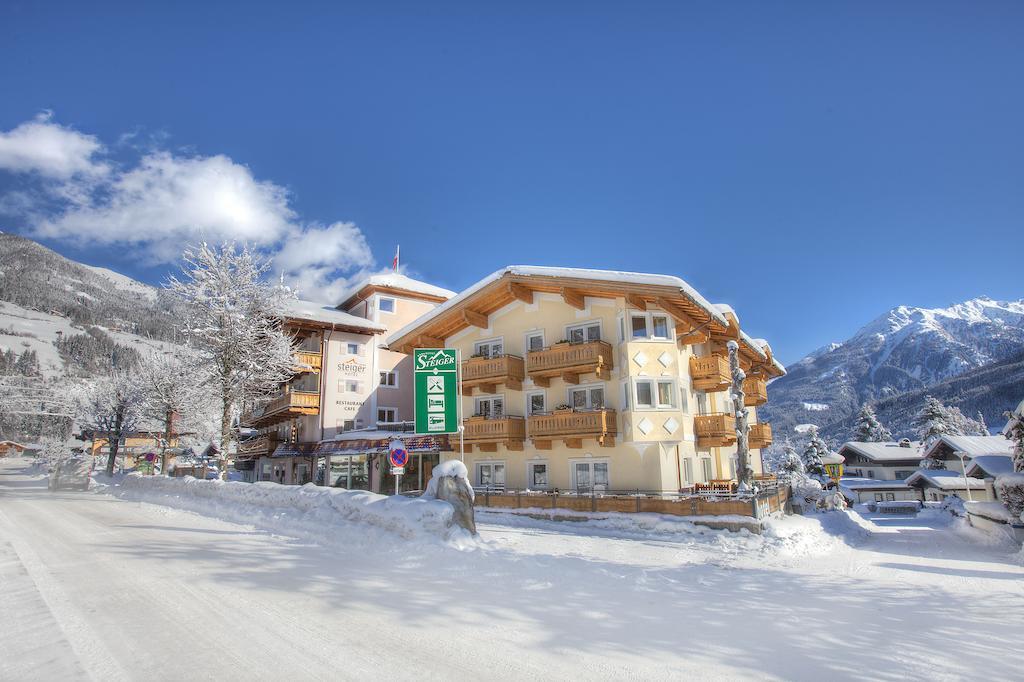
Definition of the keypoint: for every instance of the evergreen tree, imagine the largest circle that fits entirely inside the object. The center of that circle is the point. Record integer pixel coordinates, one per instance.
(1015, 432)
(982, 424)
(869, 429)
(933, 422)
(816, 449)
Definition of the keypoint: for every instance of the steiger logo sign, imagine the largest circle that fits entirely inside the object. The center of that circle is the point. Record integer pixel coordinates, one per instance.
(440, 359)
(351, 367)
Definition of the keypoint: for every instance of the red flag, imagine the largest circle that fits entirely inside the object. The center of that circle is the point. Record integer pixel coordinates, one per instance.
(394, 263)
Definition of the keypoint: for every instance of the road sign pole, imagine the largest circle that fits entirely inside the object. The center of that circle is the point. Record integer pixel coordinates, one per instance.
(462, 425)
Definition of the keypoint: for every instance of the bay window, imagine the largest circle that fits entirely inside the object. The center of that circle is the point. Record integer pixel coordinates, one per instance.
(656, 394)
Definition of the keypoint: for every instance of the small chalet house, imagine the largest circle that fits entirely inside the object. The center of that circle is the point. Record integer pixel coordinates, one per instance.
(10, 448)
(886, 461)
(595, 380)
(949, 448)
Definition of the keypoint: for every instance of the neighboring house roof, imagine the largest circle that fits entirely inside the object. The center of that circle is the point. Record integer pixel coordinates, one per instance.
(944, 480)
(971, 446)
(990, 466)
(309, 311)
(854, 483)
(15, 444)
(883, 452)
(397, 283)
(606, 282)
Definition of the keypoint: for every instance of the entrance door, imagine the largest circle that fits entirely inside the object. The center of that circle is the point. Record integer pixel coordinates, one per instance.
(588, 476)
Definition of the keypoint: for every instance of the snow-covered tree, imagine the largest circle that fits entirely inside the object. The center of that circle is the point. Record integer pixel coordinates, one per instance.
(233, 323)
(177, 398)
(1015, 432)
(983, 427)
(933, 422)
(814, 451)
(869, 429)
(743, 471)
(111, 406)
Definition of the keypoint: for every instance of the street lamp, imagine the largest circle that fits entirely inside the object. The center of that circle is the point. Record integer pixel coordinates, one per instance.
(963, 468)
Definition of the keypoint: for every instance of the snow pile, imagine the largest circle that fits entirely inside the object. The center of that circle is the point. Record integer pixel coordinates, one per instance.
(309, 509)
(454, 468)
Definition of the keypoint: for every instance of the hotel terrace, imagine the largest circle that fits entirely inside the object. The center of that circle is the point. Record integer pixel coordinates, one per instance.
(595, 381)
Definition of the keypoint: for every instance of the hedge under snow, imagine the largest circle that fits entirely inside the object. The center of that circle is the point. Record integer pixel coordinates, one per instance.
(305, 509)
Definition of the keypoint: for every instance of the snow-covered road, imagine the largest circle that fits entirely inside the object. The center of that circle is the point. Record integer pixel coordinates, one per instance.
(97, 587)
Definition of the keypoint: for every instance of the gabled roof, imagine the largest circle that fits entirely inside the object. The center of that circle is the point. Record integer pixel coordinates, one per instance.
(944, 480)
(990, 466)
(972, 446)
(513, 282)
(325, 315)
(394, 283)
(883, 452)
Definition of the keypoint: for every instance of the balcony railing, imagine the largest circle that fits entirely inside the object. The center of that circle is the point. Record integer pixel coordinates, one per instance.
(489, 373)
(287, 405)
(260, 446)
(715, 430)
(486, 433)
(755, 391)
(307, 360)
(573, 427)
(710, 373)
(569, 361)
(760, 435)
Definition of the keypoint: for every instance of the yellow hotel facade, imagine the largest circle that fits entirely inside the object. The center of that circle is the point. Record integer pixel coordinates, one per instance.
(590, 380)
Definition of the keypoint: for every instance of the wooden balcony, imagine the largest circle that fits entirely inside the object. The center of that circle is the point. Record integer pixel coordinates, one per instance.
(261, 446)
(486, 434)
(710, 373)
(569, 361)
(715, 430)
(286, 406)
(489, 373)
(755, 391)
(573, 427)
(760, 435)
(308, 361)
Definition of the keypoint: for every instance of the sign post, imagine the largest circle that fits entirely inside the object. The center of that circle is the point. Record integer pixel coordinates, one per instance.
(437, 392)
(398, 456)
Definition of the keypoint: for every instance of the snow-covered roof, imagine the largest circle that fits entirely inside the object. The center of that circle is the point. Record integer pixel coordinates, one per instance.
(395, 280)
(318, 312)
(945, 480)
(885, 451)
(990, 466)
(974, 446)
(854, 483)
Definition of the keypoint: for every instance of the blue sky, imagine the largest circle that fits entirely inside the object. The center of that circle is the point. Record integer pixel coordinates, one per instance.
(812, 164)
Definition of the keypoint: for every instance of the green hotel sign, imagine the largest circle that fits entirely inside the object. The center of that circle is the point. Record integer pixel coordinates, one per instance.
(436, 385)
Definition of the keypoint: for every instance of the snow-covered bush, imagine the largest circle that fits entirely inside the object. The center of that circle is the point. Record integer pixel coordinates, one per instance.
(1010, 489)
(806, 490)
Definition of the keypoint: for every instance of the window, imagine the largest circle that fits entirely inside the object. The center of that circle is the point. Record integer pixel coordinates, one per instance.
(581, 333)
(878, 497)
(684, 399)
(625, 395)
(353, 349)
(659, 327)
(490, 474)
(688, 470)
(644, 394)
(871, 473)
(590, 476)
(649, 326)
(491, 408)
(702, 403)
(622, 329)
(639, 326)
(389, 379)
(348, 425)
(386, 305)
(587, 397)
(387, 415)
(534, 341)
(488, 349)
(705, 465)
(352, 386)
(890, 497)
(536, 403)
(537, 475)
(655, 393)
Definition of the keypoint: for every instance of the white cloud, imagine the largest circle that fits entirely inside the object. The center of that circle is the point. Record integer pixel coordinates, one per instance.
(53, 151)
(165, 201)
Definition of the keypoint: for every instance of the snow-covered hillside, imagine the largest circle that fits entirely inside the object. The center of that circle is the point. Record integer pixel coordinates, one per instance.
(905, 350)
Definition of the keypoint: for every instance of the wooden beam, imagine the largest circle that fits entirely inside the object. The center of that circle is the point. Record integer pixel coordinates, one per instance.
(542, 444)
(488, 388)
(424, 341)
(474, 318)
(520, 292)
(516, 445)
(543, 382)
(488, 447)
(574, 443)
(636, 301)
(574, 298)
(570, 377)
(695, 337)
(514, 384)
(677, 312)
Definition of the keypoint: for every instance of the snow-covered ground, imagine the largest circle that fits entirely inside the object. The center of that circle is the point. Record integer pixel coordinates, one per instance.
(102, 587)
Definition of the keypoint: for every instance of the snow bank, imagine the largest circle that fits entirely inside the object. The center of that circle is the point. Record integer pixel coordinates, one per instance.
(305, 510)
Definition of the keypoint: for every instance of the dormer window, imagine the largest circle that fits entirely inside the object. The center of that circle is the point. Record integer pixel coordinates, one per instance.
(386, 305)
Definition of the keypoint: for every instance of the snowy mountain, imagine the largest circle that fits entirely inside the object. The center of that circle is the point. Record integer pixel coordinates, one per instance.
(900, 353)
